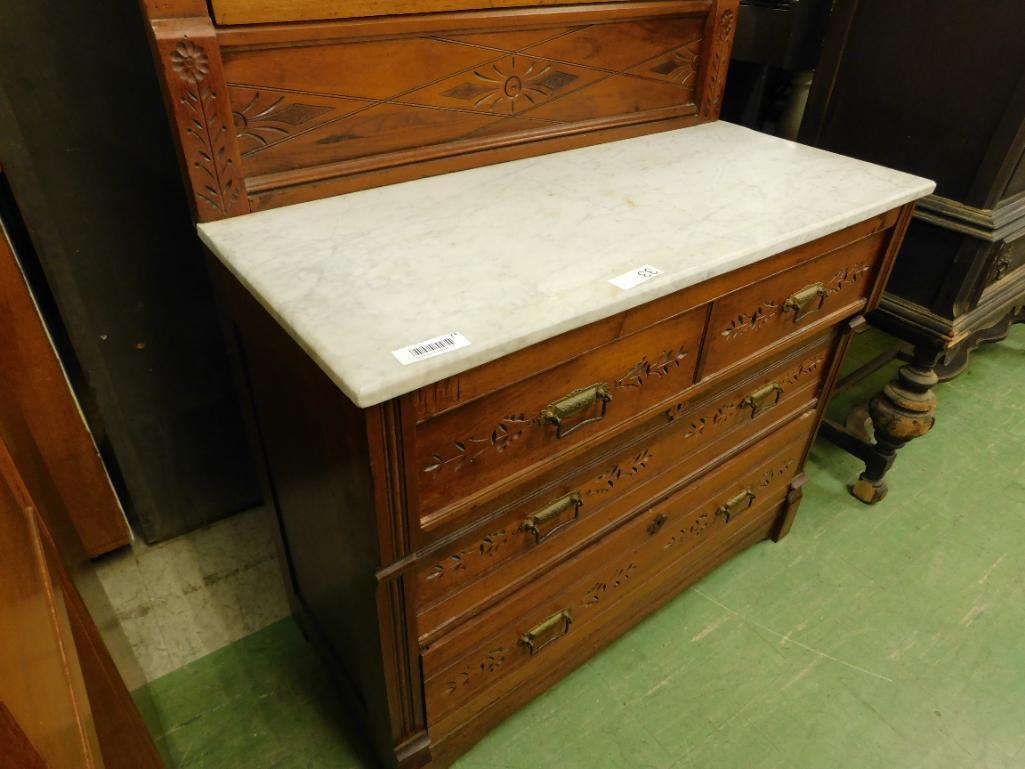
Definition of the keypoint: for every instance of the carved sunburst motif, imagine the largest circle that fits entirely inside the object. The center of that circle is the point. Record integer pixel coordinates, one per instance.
(262, 122)
(516, 83)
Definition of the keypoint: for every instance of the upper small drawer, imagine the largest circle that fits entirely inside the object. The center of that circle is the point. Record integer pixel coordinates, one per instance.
(792, 303)
(472, 447)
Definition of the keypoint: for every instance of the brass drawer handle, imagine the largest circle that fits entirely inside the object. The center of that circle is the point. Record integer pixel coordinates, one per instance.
(549, 631)
(738, 504)
(552, 513)
(763, 398)
(574, 403)
(806, 301)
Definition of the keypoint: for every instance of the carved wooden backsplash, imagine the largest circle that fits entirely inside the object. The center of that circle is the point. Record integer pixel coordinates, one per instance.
(326, 107)
(329, 103)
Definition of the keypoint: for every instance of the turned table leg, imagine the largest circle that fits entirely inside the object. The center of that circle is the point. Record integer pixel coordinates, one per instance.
(905, 409)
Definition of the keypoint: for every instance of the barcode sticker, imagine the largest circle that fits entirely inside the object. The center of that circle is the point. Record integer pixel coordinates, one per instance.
(635, 277)
(430, 348)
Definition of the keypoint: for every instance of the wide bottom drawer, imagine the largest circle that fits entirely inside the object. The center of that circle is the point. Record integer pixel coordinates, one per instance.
(453, 735)
(473, 666)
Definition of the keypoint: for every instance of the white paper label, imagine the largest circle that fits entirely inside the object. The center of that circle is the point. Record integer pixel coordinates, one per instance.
(635, 277)
(430, 348)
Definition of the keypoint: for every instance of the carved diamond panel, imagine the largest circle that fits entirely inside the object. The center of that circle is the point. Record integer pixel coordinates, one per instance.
(264, 117)
(510, 85)
(319, 104)
(621, 47)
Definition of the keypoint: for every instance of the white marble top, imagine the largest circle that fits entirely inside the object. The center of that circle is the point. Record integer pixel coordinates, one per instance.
(515, 253)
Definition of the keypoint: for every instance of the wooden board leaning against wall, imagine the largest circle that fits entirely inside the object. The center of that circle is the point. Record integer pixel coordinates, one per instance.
(63, 703)
(40, 390)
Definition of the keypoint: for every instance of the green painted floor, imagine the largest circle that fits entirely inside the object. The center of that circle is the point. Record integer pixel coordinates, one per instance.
(890, 636)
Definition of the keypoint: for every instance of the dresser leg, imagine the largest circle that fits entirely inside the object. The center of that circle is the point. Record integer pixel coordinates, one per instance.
(905, 409)
(415, 753)
(794, 497)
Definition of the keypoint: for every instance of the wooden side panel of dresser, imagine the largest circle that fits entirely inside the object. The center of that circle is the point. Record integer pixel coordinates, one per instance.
(551, 539)
(330, 470)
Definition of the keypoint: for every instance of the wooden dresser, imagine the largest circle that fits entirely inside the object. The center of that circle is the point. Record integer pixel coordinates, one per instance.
(507, 412)
(959, 280)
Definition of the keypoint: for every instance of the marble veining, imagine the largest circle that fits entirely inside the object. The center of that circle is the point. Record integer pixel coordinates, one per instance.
(515, 253)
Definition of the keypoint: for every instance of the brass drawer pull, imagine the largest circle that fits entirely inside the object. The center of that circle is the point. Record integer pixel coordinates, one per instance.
(577, 401)
(549, 631)
(763, 398)
(806, 301)
(738, 504)
(552, 513)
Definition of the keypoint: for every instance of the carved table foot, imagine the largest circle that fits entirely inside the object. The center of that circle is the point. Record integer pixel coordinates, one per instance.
(903, 411)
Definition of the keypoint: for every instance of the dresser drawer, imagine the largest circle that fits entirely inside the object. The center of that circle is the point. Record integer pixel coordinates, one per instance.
(472, 447)
(792, 303)
(472, 662)
(548, 519)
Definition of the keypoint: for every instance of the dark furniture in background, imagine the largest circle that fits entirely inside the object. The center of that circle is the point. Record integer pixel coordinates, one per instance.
(117, 266)
(775, 40)
(936, 89)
